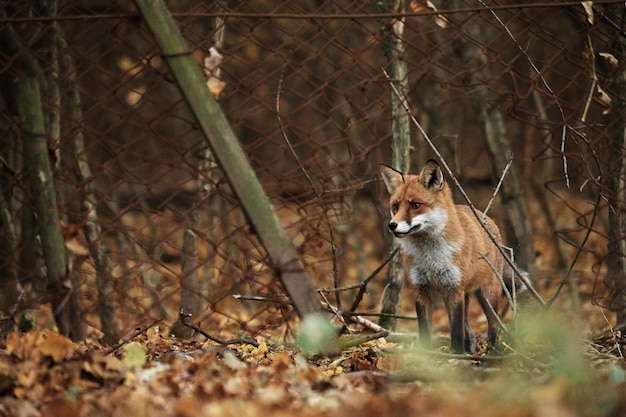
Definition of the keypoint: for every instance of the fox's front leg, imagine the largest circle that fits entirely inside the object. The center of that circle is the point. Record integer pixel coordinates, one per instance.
(455, 304)
(470, 338)
(423, 308)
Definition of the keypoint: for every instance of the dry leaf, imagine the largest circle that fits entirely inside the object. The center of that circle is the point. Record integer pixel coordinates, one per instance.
(134, 96)
(215, 86)
(588, 6)
(418, 6)
(135, 355)
(232, 361)
(71, 237)
(212, 72)
(604, 99)
(610, 59)
(57, 347)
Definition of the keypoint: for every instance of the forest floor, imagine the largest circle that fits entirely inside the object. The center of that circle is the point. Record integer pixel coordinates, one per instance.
(550, 366)
(566, 361)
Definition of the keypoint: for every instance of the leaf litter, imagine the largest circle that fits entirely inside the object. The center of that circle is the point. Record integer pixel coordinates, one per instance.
(45, 374)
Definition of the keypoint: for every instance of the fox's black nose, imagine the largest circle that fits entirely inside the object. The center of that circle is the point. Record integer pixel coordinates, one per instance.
(392, 226)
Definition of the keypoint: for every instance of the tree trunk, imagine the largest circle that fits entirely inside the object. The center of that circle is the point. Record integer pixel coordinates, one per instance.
(41, 181)
(97, 246)
(50, 82)
(616, 180)
(39, 174)
(516, 224)
(230, 157)
(8, 273)
(400, 149)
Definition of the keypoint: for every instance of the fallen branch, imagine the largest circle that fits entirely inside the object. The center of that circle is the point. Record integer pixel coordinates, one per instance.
(346, 342)
(132, 337)
(249, 340)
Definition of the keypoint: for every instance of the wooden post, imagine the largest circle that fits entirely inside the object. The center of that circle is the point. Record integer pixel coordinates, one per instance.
(230, 156)
(400, 150)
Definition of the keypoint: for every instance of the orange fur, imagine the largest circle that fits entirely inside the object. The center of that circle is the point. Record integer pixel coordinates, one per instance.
(443, 246)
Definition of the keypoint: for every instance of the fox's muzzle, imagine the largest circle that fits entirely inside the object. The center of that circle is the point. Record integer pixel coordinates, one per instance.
(393, 228)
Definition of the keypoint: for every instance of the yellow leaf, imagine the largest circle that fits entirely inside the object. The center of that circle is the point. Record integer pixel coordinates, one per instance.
(135, 355)
(57, 347)
(215, 86)
(13, 344)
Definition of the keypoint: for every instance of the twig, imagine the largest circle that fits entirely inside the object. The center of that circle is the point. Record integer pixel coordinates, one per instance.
(579, 247)
(244, 339)
(614, 339)
(495, 192)
(368, 314)
(278, 298)
(507, 293)
(129, 339)
(336, 311)
(357, 340)
(363, 285)
(457, 356)
(525, 357)
(521, 276)
(368, 324)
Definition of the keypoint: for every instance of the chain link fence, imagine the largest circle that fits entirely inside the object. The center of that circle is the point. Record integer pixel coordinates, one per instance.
(303, 86)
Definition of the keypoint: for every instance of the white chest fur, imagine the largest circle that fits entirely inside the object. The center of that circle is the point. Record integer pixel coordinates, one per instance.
(430, 261)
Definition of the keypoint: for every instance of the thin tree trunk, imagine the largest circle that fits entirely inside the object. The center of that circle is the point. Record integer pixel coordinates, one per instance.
(191, 297)
(97, 246)
(230, 157)
(191, 291)
(39, 174)
(41, 181)
(616, 180)
(50, 82)
(8, 273)
(616, 258)
(400, 148)
(517, 225)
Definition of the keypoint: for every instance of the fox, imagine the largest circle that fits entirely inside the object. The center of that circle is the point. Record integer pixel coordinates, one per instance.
(443, 246)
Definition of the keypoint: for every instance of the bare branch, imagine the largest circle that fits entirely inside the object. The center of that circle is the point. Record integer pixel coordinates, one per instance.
(184, 320)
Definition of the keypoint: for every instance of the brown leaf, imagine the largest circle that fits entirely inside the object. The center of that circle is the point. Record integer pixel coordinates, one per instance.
(60, 407)
(57, 347)
(418, 6)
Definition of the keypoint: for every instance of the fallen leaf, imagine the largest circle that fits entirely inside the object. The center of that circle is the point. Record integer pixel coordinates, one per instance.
(135, 356)
(232, 361)
(57, 347)
(60, 407)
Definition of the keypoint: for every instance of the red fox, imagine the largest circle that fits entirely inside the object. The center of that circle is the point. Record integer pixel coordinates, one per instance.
(442, 246)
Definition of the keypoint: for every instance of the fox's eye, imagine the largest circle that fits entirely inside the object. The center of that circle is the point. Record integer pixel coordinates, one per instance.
(395, 207)
(414, 205)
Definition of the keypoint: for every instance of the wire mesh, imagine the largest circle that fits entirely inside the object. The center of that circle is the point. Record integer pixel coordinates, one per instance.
(303, 87)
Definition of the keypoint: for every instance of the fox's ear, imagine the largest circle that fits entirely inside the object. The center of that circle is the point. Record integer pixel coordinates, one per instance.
(431, 175)
(392, 178)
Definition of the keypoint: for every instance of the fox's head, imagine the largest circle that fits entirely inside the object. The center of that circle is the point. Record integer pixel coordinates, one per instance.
(417, 202)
